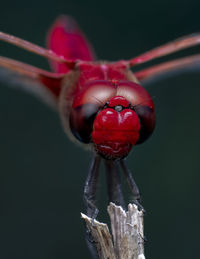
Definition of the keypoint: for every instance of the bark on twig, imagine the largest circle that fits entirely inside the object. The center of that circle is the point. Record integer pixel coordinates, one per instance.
(127, 238)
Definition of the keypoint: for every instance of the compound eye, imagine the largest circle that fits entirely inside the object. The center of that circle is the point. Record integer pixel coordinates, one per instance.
(86, 105)
(81, 121)
(147, 121)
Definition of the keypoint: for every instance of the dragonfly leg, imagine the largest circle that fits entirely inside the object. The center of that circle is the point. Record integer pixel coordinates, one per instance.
(132, 184)
(113, 183)
(89, 194)
(89, 197)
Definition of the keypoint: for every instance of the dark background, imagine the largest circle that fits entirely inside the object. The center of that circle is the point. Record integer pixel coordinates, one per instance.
(42, 173)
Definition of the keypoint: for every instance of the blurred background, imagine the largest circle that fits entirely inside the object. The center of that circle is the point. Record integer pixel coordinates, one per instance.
(42, 173)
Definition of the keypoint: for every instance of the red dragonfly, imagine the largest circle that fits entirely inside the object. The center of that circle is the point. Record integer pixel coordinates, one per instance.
(102, 105)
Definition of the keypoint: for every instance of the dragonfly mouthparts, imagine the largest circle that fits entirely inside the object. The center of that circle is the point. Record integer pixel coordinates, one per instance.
(113, 150)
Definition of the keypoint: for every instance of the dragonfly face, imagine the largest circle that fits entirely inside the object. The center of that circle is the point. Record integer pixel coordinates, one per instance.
(114, 115)
(116, 129)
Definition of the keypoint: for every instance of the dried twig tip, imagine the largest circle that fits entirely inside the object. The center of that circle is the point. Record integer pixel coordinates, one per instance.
(127, 240)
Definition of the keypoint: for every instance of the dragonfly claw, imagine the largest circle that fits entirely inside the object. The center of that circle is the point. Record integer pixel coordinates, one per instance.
(140, 207)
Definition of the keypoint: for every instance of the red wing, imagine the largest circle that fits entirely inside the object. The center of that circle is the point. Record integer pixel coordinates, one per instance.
(166, 67)
(36, 49)
(166, 49)
(66, 39)
(45, 85)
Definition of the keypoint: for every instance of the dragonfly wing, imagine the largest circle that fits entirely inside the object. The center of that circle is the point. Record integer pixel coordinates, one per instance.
(168, 68)
(43, 84)
(66, 39)
(166, 49)
(36, 49)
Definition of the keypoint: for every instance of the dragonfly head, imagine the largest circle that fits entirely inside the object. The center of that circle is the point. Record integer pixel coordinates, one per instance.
(114, 117)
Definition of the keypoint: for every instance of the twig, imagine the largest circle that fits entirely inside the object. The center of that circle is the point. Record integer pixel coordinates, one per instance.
(127, 239)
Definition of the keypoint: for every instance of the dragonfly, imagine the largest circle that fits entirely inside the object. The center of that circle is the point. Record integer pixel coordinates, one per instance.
(102, 105)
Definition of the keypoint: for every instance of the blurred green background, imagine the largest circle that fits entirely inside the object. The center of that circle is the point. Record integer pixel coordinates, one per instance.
(42, 173)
